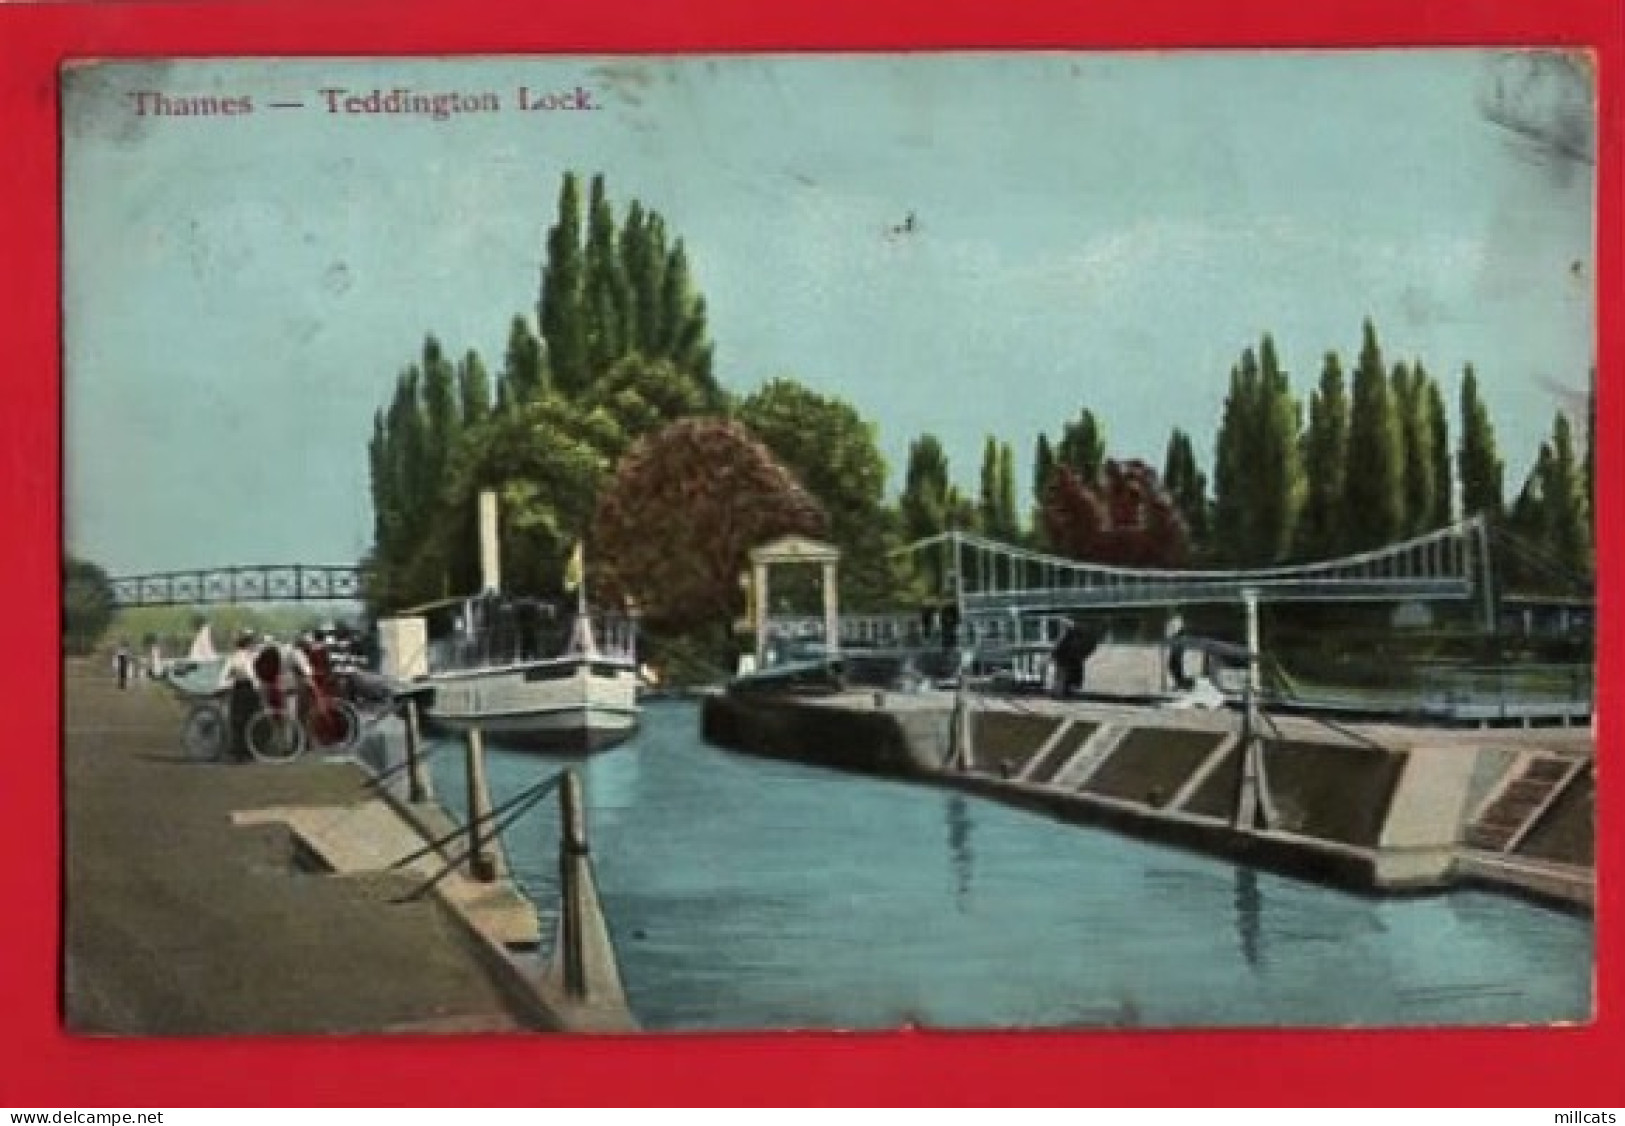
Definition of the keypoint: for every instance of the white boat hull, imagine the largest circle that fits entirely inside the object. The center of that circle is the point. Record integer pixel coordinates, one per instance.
(591, 706)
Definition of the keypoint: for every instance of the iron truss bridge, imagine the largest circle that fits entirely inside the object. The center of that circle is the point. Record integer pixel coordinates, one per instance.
(997, 578)
(295, 582)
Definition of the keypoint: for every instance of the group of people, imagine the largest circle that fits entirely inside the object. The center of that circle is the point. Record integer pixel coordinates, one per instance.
(262, 672)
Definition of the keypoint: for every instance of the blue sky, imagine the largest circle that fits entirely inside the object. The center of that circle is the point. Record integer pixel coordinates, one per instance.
(1092, 229)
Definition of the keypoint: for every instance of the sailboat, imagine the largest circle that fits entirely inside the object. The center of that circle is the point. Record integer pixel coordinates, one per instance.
(506, 667)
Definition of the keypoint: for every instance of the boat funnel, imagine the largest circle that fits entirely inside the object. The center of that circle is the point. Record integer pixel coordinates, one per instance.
(490, 561)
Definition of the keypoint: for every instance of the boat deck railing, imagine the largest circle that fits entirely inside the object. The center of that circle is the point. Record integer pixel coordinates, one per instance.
(611, 638)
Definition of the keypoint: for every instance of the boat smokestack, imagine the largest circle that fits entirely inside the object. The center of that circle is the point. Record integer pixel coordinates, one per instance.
(490, 561)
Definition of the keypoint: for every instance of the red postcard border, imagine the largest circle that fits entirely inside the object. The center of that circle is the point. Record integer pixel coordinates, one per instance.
(41, 1066)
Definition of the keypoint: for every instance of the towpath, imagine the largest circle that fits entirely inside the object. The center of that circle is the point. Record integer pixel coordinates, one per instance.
(178, 922)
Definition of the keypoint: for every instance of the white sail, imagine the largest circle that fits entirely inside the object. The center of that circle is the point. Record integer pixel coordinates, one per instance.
(202, 645)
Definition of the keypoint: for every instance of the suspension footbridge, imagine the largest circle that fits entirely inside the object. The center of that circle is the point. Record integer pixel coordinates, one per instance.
(990, 577)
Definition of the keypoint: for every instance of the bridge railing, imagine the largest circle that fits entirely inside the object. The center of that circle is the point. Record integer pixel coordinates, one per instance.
(1508, 686)
(1164, 591)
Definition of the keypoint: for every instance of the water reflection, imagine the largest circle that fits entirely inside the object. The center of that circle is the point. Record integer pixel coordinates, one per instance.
(1249, 916)
(960, 857)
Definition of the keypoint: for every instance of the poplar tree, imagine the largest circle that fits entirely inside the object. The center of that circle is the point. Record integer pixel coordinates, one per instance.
(1187, 487)
(1232, 471)
(1083, 447)
(1444, 493)
(473, 390)
(987, 504)
(644, 248)
(1279, 474)
(1373, 501)
(1591, 452)
(441, 417)
(929, 505)
(1416, 439)
(924, 503)
(1044, 464)
(682, 314)
(606, 294)
(1325, 455)
(561, 310)
(1563, 493)
(1479, 464)
(1009, 516)
(524, 375)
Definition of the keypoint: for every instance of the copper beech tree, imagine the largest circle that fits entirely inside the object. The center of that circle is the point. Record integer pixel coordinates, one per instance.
(1127, 520)
(675, 526)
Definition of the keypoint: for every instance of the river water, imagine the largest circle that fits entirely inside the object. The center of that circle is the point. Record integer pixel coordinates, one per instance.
(746, 893)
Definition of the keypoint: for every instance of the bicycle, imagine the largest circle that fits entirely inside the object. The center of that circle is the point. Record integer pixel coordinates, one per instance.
(273, 734)
(277, 735)
(206, 730)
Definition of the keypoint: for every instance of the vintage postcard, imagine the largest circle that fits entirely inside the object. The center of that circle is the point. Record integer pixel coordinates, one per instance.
(966, 540)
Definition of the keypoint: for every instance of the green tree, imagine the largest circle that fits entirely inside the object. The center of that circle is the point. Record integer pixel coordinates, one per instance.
(1187, 487)
(1083, 447)
(1044, 465)
(930, 505)
(642, 395)
(1479, 463)
(87, 605)
(546, 460)
(1258, 472)
(1279, 476)
(1591, 452)
(1444, 493)
(925, 501)
(607, 295)
(561, 312)
(1373, 497)
(441, 417)
(987, 505)
(473, 390)
(1234, 473)
(833, 452)
(1009, 514)
(1325, 456)
(524, 371)
(1567, 536)
(1409, 390)
(640, 267)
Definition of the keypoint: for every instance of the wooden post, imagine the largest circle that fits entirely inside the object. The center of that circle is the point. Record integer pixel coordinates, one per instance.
(417, 789)
(481, 861)
(573, 852)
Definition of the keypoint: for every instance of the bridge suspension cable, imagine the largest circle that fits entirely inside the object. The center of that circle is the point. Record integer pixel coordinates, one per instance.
(987, 576)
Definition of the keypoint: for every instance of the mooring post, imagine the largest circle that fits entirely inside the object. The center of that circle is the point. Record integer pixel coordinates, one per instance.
(1254, 807)
(417, 789)
(573, 853)
(967, 751)
(481, 860)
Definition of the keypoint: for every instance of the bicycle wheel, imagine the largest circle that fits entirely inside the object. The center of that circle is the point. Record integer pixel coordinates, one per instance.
(334, 727)
(274, 737)
(203, 735)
